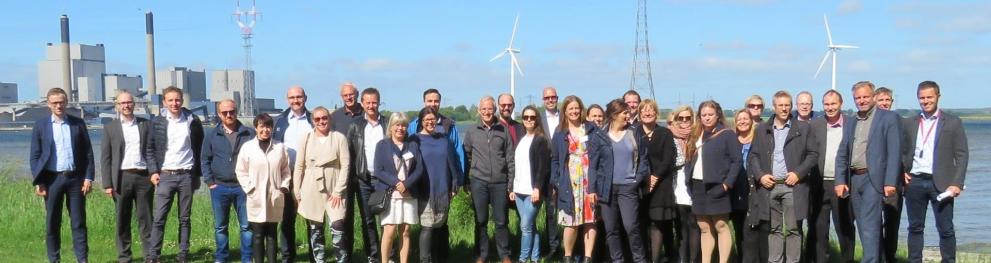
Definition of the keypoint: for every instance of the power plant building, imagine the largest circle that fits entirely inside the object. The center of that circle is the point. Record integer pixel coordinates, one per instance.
(191, 82)
(113, 83)
(88, 65)
(238, 85)
(8, 92)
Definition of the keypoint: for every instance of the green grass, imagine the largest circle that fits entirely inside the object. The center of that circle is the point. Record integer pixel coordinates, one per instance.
(22, 227)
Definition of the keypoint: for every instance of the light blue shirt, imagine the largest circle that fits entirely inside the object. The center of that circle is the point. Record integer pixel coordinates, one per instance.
(62, 138)
(925, 143)
(780, 170)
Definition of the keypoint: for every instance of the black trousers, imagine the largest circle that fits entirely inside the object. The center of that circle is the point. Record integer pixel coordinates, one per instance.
(739, 219)
(65, 188)
(360, 191)
(263, 241)
(690, 235)
(550, 225)
(755, 244)
(484, 194)
(825, 206)
(133, 198)
(623, 213)
(171, 187)
(891, 215)
(920, 194)
(287, 229)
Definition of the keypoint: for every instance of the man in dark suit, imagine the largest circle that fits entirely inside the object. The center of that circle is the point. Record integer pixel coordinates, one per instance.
(62, 166)
(935, 158)
(781, 156)
(823, 201)
(125, 175)
(891, 214)
(549, 120)
(173, 154)
(867, 166)
(290, 127)
(363, 135)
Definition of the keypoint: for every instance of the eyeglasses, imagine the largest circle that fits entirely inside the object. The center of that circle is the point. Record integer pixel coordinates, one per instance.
(125, 102)
(297, 97)
(529, 117)
(225, 113)
(550, 97)
(755, 106)
(683, 118)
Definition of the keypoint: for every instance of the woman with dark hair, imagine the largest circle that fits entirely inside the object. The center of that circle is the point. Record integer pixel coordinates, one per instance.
(572, 180)
(663, 210)
(438, 187)
(532, 160)
(619, 166)
(398, 167)
(263, 171)
(750, 232)
(596, 115)
(714, 164)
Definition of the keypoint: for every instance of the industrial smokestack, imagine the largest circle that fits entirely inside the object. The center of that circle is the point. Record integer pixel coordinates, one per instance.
(66, 63)
(153, 98)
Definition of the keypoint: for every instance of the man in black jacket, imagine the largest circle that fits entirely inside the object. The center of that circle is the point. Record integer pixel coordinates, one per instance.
(781, 157)
(490, 169)
(173, 154)
(824, 204)
(125, 175)
(935, 159)
(363, 135)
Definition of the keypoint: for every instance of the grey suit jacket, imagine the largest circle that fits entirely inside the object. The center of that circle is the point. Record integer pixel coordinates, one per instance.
(883, 151)
(950, 156)
(112, 150)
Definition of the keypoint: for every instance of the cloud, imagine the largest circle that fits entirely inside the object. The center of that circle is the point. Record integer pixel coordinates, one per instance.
(850, 6)
(944, 18)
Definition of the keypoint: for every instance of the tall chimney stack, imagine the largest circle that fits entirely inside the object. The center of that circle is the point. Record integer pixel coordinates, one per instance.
(153, 98)
(66, 62)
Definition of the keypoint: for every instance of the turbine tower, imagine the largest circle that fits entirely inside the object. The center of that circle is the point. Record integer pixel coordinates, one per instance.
(246, 21)
(830, 52)
(642, 79)
(514, 64)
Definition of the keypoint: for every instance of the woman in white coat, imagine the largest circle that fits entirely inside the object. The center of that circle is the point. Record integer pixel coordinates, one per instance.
(263, 171)
(320, 180)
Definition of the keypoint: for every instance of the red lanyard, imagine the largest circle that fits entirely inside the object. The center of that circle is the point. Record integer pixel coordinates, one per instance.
(929, 132)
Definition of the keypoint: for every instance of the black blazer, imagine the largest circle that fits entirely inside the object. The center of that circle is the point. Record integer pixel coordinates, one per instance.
(112, 150)
(158, 142)
(540, 161)
(950, 156)
(356, 148)
(722, 159)
(43, 148)
(800, 157)
(661, 154)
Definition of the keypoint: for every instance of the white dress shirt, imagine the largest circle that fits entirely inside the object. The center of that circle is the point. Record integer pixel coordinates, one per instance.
(179, 154)
(298, 126)
(373, 134)
(925, 142)
(553, 120)
(132, 146)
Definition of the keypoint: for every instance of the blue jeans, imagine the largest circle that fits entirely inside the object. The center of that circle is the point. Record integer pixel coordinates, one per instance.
(223, 197)
(919, 195)
(530, 240)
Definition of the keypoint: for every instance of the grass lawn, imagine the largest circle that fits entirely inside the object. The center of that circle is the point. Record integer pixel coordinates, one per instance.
(23, 230)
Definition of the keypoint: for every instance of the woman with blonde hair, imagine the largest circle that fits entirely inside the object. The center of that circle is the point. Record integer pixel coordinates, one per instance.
(398, 168)
(681, 122)
(659, 197)
(713, 164)
(320, 181)
(750, 232)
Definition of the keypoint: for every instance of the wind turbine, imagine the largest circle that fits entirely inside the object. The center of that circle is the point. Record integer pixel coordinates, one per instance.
(830, 52)
(514, 65)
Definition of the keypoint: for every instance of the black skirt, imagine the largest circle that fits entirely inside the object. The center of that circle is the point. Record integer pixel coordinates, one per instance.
(662, 205)
(709, 199)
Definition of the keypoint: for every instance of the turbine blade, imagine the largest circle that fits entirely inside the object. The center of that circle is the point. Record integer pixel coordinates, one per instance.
(515, 24)
(516, 63)
(823, 63)
(829, 35)
(498, 56)
(843, 46)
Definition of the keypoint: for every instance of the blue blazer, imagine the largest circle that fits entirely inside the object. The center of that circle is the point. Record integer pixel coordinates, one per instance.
(883, 151)
(385, 172)
(43, 148)
(602, 161)
(560, 176)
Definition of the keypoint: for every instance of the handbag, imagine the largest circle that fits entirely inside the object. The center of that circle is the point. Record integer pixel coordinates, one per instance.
(379, 200)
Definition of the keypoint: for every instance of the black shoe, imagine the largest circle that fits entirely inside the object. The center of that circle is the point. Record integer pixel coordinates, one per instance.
(567, 259)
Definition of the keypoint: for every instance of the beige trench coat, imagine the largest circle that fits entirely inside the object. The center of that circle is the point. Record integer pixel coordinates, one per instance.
(261, 176)
(321, 172)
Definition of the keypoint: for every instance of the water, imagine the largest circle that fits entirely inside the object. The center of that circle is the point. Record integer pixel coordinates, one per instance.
(972, 208)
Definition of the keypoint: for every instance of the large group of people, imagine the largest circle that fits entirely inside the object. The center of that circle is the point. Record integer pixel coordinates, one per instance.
(686, 187)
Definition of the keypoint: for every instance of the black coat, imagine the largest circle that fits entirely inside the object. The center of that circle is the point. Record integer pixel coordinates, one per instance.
(112, 150)
(356, 148)
(540, 161)
(950, 156)
(661, 154)
(800, 155)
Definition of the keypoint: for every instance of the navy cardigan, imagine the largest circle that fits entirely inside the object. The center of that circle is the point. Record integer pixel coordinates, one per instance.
(602, 162)
(560, 179)
(385, 169)
(722, 159)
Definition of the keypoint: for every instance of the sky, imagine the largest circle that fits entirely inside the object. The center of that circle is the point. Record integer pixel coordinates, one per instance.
(724, 50)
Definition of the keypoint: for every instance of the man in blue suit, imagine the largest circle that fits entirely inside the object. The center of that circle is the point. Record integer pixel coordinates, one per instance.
(868, 164)
(62, 166)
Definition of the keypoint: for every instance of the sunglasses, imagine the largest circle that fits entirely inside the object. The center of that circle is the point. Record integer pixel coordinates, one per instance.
(324, 118)
(755, 106)
(550, 98)
(529, 117)
(683, 118)
(225, 113)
